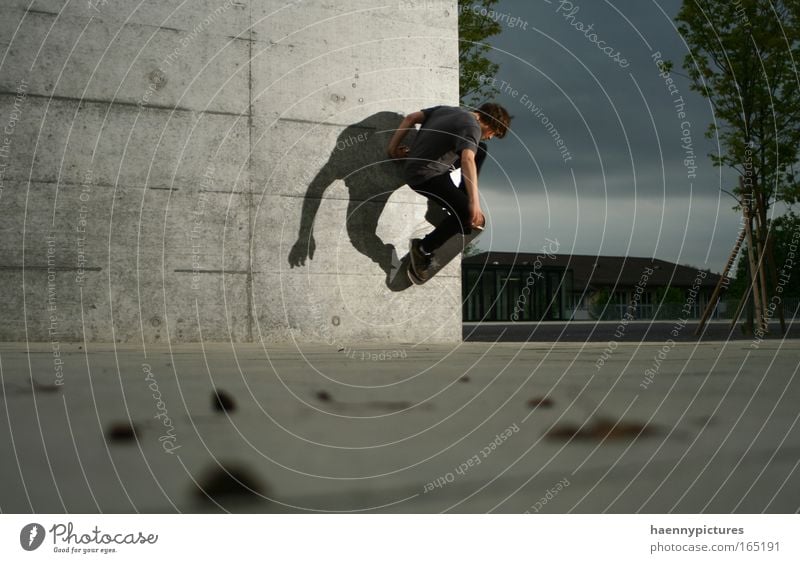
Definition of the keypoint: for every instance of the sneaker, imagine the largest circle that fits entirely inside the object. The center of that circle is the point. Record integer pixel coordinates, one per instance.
(412, 276)
(420, 262)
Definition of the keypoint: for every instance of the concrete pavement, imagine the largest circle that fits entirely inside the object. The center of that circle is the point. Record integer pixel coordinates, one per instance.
(476, 427)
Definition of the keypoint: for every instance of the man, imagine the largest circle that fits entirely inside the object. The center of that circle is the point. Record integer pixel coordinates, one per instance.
(446, 135)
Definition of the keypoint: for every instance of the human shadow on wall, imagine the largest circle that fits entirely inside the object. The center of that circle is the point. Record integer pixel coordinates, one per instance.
(359, 159)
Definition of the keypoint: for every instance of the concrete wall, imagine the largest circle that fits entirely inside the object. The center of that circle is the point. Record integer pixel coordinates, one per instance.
(165, 164)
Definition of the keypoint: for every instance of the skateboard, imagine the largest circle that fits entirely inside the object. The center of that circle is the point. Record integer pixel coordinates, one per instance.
(441, 258)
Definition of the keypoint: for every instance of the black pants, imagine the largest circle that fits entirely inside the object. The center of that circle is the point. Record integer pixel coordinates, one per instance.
(441, 190)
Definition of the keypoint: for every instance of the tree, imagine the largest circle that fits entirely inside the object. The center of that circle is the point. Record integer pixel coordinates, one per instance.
(784, 231)
(476, 71)
(742, 58)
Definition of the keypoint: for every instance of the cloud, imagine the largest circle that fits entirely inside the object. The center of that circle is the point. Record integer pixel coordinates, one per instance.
(623, 133)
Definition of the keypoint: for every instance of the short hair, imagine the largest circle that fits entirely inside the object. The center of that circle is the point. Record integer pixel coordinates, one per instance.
(497, 117)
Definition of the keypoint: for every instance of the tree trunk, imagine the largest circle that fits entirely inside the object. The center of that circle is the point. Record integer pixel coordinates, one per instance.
(754, 272)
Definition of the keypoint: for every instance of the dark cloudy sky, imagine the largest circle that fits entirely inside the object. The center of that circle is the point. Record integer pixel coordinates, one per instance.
(626, 190)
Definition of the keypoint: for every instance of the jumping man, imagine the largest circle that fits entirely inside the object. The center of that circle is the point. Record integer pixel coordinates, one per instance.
(446, 135)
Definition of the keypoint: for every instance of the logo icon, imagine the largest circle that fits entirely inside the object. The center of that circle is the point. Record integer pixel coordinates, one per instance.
(31, 536)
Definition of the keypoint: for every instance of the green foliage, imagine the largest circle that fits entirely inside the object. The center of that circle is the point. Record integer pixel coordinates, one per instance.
(601, 305)
(471, 250)
(782, 231)
(668, 302)
(669, 295)
(742, 57)
(476, 70)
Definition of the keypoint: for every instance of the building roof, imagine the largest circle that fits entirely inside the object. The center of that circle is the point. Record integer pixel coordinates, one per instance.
(601, 271)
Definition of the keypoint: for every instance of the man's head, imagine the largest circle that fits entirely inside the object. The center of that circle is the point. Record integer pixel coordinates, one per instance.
(494, 120)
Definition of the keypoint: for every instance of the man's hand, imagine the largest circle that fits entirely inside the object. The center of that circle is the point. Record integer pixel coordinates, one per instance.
(469, 173)
(395, 149)
(476, 218)
(400, 151)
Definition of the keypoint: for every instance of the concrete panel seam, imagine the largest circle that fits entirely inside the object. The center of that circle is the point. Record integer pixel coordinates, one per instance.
(135, 24)
(250, 218)
(314, 122)
(123, 103)
(57, 268)
(189, 271)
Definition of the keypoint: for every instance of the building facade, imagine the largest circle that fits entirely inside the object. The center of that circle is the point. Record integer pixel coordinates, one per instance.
(510, 286)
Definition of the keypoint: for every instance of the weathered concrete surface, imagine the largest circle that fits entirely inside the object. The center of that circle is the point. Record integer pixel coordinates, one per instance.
(164, 166)
(720, 427)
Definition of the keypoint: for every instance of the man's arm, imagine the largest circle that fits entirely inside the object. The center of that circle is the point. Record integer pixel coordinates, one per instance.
(395, 149)
(469, 172)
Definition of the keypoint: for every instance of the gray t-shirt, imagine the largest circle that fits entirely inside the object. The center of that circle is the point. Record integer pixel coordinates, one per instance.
(445, 132)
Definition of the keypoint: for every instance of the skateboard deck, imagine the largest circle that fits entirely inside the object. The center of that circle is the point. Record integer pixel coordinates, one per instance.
(441, 258)
(449, 250)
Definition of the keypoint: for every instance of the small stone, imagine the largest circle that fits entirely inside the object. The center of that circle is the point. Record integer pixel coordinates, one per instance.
(157, 78)
(45, 387)
(121, 432)
(564, 432)
(228, 482)
(324, 396)
(223, 402)
(544, 402)
(602, 429)
(464, 379)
